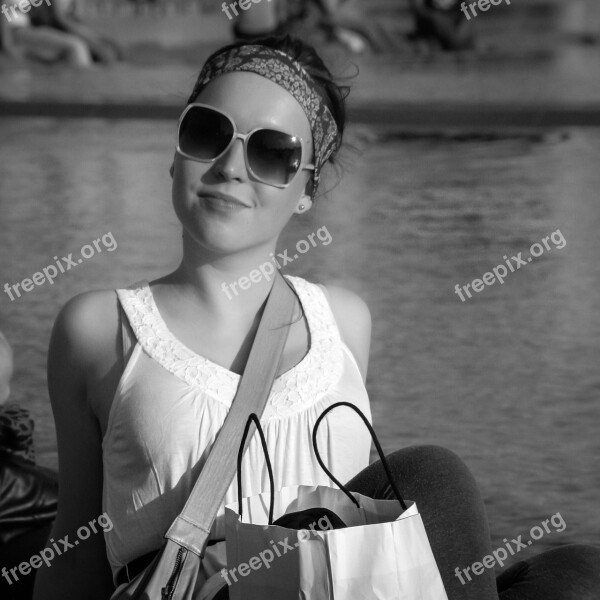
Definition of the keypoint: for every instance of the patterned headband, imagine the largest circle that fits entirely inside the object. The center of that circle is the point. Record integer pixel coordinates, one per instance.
(289, 74)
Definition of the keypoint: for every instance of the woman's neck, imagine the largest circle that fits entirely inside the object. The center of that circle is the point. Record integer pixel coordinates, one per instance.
(223, 284)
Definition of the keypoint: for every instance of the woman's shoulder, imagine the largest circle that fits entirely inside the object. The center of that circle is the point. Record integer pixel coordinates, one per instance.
(353, 319)
(345, 301)
(88, 323)
(92, 309)
(342, 300)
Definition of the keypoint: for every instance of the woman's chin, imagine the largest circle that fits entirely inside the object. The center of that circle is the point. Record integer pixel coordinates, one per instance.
(218, 240)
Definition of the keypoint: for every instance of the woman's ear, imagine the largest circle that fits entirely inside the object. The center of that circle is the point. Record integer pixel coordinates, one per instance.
(172, 169)
(304, 204)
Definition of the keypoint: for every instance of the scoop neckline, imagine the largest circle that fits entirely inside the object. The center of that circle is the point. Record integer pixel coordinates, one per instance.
(231, 374)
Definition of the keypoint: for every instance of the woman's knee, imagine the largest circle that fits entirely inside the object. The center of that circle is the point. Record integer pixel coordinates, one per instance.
(437, 475)
(430, 458)
(431, 475)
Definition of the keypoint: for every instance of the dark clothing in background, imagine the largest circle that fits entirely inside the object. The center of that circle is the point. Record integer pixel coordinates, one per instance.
(16, 432)
(28, 501)
(28, 496)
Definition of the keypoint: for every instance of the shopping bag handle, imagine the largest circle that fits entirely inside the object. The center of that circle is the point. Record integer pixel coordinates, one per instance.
(384, 461)
(254, 419)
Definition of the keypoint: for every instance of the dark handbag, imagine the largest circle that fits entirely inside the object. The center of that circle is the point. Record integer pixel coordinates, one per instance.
(173, 573)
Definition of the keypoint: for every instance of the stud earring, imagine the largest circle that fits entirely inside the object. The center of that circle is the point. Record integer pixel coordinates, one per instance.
(301, 207)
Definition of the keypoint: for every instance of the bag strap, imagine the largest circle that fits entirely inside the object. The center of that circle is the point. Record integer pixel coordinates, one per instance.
(192, 527)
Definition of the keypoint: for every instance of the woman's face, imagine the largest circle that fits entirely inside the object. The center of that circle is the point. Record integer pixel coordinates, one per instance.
(260, 211)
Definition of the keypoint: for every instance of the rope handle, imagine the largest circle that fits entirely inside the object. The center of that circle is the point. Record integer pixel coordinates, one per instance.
(382, 457)
(253, 418)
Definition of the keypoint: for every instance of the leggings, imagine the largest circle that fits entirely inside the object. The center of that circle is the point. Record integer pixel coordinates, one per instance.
(452, 510)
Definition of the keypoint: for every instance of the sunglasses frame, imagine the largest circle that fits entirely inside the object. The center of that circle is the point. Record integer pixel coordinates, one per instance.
(244, 137)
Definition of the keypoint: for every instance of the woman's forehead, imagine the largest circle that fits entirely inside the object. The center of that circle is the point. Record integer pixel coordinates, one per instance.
(255, 101)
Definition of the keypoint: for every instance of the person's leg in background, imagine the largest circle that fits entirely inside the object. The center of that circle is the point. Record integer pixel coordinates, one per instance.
(451, 507)
(564, 573)
(44, 43)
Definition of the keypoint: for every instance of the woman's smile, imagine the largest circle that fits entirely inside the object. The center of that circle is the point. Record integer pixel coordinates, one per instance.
(220, 202)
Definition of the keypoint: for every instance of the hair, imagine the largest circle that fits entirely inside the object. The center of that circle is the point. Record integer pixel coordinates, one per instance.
(332, 93)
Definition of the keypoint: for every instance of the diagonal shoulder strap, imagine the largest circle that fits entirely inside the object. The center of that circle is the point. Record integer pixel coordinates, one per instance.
(192, 527)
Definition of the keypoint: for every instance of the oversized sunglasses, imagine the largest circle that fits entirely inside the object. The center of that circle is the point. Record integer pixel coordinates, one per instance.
(272, 157)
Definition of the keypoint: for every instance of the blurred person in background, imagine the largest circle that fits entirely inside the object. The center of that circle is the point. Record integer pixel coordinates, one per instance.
(441, 23)
(19, 39)
(28, 493)
(437, 23)
(53, 33)
(580, 21)
(63, 16)
(303, 18)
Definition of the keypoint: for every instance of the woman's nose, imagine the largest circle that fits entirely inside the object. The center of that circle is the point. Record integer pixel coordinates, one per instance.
(232, 164)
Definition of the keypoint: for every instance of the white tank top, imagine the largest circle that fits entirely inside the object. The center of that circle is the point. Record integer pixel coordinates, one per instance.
(170, 404)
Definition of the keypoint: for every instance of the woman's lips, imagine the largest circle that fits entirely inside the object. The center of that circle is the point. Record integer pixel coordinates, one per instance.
(222, 202)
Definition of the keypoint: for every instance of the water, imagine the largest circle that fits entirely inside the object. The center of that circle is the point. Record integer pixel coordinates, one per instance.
(508, 379)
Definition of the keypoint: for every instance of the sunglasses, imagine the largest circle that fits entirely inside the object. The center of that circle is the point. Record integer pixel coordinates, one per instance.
(273, 157)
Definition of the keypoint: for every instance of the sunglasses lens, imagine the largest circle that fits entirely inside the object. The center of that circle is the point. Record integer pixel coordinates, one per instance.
(274, 156)
(204, 133)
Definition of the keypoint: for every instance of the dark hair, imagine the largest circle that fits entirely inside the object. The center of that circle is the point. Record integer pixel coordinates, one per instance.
(332, 93)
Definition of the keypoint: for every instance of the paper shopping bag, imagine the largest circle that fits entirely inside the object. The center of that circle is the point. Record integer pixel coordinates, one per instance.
(382, 554)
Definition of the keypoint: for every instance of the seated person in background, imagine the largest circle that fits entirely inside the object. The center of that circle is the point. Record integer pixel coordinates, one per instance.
(28, 494)
(297, 17)
(53, 33)
(61, 16)
(19, 39)
(441, 22)
(16, 426)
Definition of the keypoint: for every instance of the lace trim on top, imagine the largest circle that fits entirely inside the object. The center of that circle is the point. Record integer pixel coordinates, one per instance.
(300, 387)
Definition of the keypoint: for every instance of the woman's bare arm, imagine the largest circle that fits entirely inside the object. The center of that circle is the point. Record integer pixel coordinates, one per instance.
(81, 571)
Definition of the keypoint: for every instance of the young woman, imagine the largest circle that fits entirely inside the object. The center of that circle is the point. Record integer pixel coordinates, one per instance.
(141, 381)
